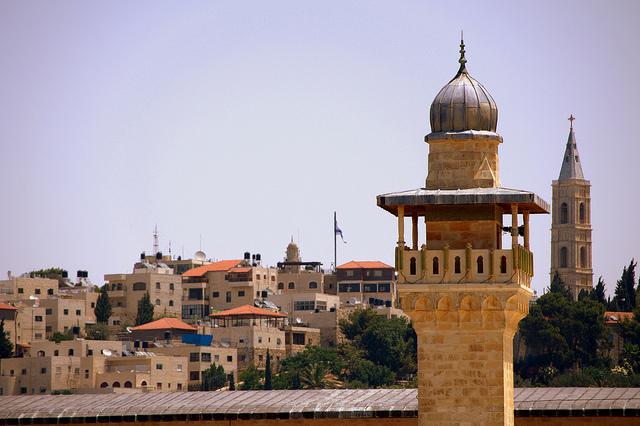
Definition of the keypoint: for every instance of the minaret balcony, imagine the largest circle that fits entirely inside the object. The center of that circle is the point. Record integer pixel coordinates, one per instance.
(469, 265)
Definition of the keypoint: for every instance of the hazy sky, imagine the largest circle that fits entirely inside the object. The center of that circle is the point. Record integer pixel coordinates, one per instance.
(248, 122)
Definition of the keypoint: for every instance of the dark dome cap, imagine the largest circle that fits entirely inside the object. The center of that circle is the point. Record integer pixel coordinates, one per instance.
(463, 104)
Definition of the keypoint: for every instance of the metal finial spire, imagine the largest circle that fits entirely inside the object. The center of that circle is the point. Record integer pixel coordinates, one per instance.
(462, 59)
(571, 118)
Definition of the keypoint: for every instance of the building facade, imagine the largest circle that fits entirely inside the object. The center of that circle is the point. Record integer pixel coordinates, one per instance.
(571, 222)
(369, 283)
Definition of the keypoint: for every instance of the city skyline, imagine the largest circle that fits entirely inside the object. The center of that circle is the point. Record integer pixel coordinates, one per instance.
(244, 127)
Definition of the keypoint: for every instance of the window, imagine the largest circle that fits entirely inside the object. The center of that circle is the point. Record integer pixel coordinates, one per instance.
(93, 305)
(350, 273)
(480, 264)
(38, 318)
(139, 286)
(171, 286)
(564, 213)
(370, 288)
(157, 286)
(23, 390)
(41, 354)
(43, 370)
(412, 266)
(116, 384)
(86, 374)
(241, 293)
(128, 384)
(384, 287)
(303, 305)
(38, 336)
(260, 357)
(70, 352)
(229, 358)
(170, 302)
(157, 302)
(582, 213)
(206, 357)
(243, 357)
(49, 291)
(583, 257)
(292, 286)
(37, 290)
(48, 329)
(56, 353)
(78, 312)
(313, 284)
(20, 290)
(58, 371)
(194, 375)
(158, 366)
(456, 265)
(503, 265)
(143, 383)
(24, 371)
(179, 367)
(179, 386)
(563, 257)
(349, 288)
(259, 339)
(228, 297)
(298, 338)
(216, 358)
(66, 312)
(435, 267)
(43, 389)
(215, 294)
(280, 286)
(48, 311)
(377, 273)
(194, 357)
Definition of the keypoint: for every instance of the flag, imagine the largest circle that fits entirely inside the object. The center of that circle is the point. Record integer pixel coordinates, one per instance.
(338, 231)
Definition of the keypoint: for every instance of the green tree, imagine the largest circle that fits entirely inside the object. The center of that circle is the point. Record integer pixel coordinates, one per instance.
(625, 293)
(232, 383)
(6, 347)
(318, 376)
(103, 306)
(48, 273)
(145, 310)
(267, 373)
(250, 378)
(59, 337)
(598, 293)
(99, 331)
(291, 367)
(558, 286)
(213, 378)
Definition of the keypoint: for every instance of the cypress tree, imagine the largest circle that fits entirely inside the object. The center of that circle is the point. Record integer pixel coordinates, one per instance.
(558, 286)
(598, 293)
(103, 306)
(267, 373)
(145, 310)
(232, 383)
(6, 347)
(625, 294)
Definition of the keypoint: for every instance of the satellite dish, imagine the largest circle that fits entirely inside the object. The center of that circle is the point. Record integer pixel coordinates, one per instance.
(199, 255)
(128, 329)
(107, 352)
(32, 297)
(298, 320)
(224, 344)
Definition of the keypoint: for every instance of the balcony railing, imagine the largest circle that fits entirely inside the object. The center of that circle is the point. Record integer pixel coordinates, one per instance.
(464, 266)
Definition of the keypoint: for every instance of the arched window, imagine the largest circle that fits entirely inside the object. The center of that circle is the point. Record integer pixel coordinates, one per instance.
(412, 266)
(503, 265)
(564, 213)
(582, 213)
(436, 266)
(480, 262)
(128, 384)
(70, 352)
(280, 286)
(104, 385)
(313, 284)
(170, 302)
(563, 257)
(583, 257)
(143, 383)
(157, 286)
(171, 286)
(116, 384)
(157, 302)
(456, 265)
(139, 286)
(41, 354)
(292, 286)
(56, 352)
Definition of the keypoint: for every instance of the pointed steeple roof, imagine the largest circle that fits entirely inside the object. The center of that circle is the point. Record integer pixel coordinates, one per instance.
(571, 167)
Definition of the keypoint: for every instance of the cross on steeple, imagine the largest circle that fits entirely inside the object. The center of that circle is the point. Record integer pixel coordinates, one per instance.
(571, 118)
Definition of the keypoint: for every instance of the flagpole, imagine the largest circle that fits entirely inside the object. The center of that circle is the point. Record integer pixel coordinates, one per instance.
(335, 247)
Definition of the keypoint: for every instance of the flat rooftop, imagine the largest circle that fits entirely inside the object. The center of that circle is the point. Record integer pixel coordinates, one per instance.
(294, 404)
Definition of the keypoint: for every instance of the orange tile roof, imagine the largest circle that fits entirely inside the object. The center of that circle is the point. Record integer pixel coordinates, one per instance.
(220, 266)
(5, 307)
(164, 324)
(365, 265)
(247, 310)
(611, 317)
(245, 269)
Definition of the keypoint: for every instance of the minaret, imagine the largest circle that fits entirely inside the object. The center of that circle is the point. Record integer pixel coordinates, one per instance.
(571, 222)
(465, 293)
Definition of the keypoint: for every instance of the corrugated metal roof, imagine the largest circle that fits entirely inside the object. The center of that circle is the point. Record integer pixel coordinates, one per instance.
(294, 404)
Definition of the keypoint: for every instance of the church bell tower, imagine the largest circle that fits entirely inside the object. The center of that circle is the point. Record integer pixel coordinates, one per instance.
(464, 292)
(571, 222)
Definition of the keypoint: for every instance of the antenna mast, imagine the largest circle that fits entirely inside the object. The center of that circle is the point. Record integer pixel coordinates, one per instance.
(156, 245)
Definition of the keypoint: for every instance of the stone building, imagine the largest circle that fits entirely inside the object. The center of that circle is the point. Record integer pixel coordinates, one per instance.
(369, 283)
(571, 222)
(296, 276)
(464, 292)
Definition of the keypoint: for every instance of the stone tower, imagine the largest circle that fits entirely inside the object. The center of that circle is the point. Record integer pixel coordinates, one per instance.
(464, 292)
(571, 222)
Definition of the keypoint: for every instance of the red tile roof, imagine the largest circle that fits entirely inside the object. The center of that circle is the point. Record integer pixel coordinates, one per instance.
(5, 307)
(247, 310)
(365, 265)
(164, 324)
(240, 270)
(611, 317)
(220, 266)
